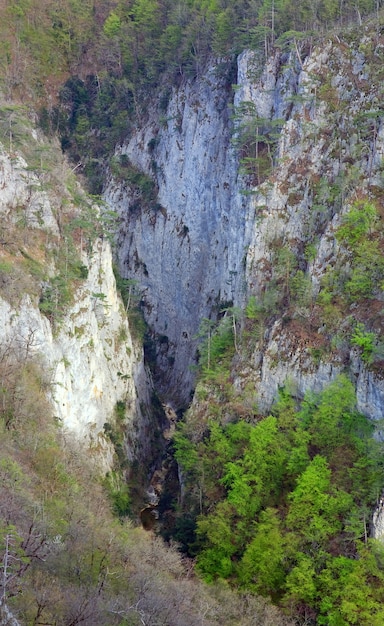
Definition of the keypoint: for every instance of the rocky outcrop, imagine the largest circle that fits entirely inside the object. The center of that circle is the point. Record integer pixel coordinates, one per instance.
(285, 360)
(187, 252)
(377, 528)
(206, 242)
(6, 616)
(22, 196)
(316, 155)
(89, 358)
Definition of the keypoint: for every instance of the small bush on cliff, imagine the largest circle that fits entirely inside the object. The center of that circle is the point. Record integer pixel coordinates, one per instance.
(366, 341)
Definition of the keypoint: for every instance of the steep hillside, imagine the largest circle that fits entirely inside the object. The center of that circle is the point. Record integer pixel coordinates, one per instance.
(78, 422)
(268, 502)
(203, 339)
(59, 303)
(297, 303)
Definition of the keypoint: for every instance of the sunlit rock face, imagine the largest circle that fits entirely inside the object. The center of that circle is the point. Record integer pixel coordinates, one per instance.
(89, 360)
(319, 152)
(22, 196)
(377, 528)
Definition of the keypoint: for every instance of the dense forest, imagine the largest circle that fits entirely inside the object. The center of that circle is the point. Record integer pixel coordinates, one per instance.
(281, 506)
(272, 522)
(89, 64)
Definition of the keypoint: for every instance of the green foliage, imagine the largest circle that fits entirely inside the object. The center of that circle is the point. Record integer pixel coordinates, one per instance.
(125, 48)
(297, 488)
(357, 276)
(112, 25)
(119, 494)
(142, 185)
(56, 526)
(262, 567)
(252, 309)
(217, 347)
(256, 140)
(120, 411)
(6, 268)
(116, 434)
(58, 291)
(357, 233)
(353, 588)
(331, 416)
(301, 289)
(357, 223)
(129, 292)
(316, 509)
(367, 270)
(186, 454)
(253, 482)
(366, 341)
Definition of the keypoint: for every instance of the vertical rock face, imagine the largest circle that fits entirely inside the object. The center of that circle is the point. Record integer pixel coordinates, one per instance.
(205, 242)
(377, 530)
(94, 362)
(323, 163)
(89, 359)
(22, 194)
(187, 253)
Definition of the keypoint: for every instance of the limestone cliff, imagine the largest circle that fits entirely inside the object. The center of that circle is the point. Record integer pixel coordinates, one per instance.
(187, 252)
(322, 150)
(89, 359)
(204, 242)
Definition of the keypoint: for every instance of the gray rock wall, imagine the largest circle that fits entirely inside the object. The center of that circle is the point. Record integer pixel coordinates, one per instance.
(207, 242)
(187, 254)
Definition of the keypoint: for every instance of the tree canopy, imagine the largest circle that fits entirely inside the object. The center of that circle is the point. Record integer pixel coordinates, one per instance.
(296, 489)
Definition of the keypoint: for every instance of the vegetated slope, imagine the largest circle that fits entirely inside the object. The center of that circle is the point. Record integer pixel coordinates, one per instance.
(100, 59)
(66, 560)
(58, 297)
(281, 505)
(271, 503)
(314, 264)
(331, 544)
(68, 552)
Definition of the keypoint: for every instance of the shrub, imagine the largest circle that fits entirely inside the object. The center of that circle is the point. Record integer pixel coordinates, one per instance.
(366, 341)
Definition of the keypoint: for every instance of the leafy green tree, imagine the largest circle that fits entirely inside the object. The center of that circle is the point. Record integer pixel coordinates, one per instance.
(220, 543)
(112, 25)
(315, 506)
(222, 42)
(346, 593)
(301, 582)
(364, 340)
(357, 223)
(365, 278)
(301, 289)
(217, 347)
(254, 481)
(331, 417)
(263, 565)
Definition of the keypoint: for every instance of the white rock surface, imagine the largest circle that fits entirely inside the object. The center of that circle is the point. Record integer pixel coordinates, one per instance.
(90, 360)
(22, 196)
